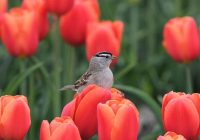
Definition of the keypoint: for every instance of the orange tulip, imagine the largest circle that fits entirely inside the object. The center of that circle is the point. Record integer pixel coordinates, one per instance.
(117, 120)
(3, 8)
(59, 7)
(180, 114)
(39, 6)
(14, 117)
(19, 32)
(171, 136)
(84, 107)
(181, 39)
(61, 128)
(104, 36)
(73, 24)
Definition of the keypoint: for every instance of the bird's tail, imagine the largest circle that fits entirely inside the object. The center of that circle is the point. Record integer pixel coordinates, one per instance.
(67, 87)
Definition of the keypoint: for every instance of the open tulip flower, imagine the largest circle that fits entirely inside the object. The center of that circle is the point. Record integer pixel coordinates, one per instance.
(61, 128)
(83, 109)
(181, 114)
(74, 23)
(19, 32)
(118, 120)
(14, 117)
(104, 36)
(181, 39)
(39, 6)
(171, 136)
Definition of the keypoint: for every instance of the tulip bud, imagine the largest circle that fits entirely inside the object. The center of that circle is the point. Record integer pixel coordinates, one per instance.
(40, 8)
(19, 32)
(117, 120)
(14, 117)
(59, 7)
(180, 114)
(61, 128)
(181, 39)
(83, 109)
(171, 136)
(104, 36)
(3, 8)
(73, 24)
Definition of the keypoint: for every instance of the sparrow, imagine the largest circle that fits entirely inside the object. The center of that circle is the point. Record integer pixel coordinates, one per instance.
(98, 73)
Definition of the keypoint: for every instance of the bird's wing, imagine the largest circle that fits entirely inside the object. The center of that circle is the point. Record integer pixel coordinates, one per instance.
(83, 80)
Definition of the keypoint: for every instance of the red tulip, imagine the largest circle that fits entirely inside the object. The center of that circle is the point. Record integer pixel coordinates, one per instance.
(59, 7)
(19, 32)
(84, 107)
(181, 39)
(61, 128)
(104, 36)
(3, 8)
(73, 24)
(180, 114)
(117, 120)
(14, 117)
(171, 136)
(39, 6)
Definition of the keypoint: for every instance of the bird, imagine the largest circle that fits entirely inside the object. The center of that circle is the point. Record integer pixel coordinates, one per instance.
(98, 73)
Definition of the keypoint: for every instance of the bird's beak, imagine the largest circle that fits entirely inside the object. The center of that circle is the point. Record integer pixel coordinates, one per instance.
(114, 57)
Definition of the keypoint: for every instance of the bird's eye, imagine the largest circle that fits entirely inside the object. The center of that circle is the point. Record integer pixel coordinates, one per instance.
(107, 56)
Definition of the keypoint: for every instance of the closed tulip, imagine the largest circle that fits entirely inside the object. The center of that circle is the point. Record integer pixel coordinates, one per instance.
(171, 136)
(14, 117)
(83, 109)
(117, 120)
(73, 24)
(180, 114)
(19, 32)
(39, 6)
(61, 128)
(104, 36)
(59, 7)
(181, 39)
(3, 8)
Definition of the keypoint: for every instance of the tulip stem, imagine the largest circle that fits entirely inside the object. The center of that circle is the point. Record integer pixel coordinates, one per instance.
(22, 66)
(188, 79)
(31, 99)
(56, 67)
(145, 98)
(68, 67)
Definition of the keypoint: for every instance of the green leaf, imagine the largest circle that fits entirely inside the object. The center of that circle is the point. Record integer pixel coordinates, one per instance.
(18, 79)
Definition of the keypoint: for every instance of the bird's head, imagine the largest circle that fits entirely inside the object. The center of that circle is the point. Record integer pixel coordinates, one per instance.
(101, 60)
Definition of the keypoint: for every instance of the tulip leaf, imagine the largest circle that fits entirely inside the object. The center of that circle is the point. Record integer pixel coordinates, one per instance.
(145, 98)
(18, 79)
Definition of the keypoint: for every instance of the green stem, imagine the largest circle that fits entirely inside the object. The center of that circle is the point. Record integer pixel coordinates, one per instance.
(145, 98)
(68, 67)
(188, 79)
(56, 68)
(31, 99)
(22, 65)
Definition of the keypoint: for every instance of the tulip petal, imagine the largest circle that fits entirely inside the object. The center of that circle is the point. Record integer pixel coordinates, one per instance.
(66, 131)
(16, 119)
(106, 117)
(44, 130)
(87, 108)
(181, 116)
(126, 124)
(168, 97)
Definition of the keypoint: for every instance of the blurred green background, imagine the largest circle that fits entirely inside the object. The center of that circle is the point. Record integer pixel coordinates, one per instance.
(144, 71)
